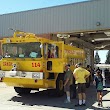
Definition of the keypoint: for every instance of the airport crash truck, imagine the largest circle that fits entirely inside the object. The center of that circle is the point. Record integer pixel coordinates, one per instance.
(30, 62)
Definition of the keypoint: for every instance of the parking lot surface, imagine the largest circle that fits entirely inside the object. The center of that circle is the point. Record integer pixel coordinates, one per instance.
(10, 100)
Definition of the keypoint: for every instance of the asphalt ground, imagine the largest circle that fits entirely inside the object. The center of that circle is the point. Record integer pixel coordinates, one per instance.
(10, 100)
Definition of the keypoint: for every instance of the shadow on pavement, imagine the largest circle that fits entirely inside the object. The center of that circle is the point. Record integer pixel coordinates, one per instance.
(42, 99)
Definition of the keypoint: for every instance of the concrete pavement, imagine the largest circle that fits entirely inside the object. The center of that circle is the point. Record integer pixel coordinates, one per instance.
(10, 100)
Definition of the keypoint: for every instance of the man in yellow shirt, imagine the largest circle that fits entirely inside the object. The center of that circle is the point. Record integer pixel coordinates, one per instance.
(80, 75)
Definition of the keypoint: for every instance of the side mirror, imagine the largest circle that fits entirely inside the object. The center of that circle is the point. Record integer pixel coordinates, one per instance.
(1, 57)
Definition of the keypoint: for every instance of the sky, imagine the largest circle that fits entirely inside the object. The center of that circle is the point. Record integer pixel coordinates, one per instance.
(102, 55)
(11, 6)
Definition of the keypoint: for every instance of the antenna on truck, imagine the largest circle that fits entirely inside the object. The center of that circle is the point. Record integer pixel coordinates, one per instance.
(22, 33)
(14, 30)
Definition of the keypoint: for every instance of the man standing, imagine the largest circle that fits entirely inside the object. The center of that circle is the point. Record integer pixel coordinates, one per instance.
(80, 75)
(67, 82)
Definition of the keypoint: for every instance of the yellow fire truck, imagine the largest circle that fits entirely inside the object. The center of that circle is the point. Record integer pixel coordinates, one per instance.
(30, 62)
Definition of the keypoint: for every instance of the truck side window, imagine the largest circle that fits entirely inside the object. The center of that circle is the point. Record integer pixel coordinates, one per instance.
(44, 50)
(57, 52)
(53, 51)
(49, 50)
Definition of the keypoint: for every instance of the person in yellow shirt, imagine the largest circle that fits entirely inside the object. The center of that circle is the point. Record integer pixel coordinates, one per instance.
(80, 75)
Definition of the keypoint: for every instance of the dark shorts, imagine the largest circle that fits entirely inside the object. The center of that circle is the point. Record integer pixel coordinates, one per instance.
(81, 88)
(67, 87)
(100, 91)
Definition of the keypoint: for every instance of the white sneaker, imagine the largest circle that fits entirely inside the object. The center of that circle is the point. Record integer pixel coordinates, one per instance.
(66, 101)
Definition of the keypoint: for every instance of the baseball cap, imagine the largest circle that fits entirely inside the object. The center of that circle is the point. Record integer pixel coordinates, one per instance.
(78, 64)
(67, 65)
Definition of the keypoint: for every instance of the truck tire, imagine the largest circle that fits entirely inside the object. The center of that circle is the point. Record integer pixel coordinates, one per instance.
(59, 85)
(59, 91)
(21, 91)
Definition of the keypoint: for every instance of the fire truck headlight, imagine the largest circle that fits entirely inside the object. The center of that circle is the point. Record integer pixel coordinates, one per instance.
(2, 74)
(23, 74)
(37, 75)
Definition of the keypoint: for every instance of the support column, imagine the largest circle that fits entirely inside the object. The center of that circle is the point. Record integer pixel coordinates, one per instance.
(92, 58)
(103, 75)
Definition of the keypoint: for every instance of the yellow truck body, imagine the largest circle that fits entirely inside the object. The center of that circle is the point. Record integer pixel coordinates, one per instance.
(31, 62)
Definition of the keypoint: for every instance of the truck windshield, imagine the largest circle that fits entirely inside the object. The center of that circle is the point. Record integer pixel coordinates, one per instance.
(22, 50)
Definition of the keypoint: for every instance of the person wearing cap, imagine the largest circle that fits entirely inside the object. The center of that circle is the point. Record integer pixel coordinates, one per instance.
(67, 82)
(80, 75)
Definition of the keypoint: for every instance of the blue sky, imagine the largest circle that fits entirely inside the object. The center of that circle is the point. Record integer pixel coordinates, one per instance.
(102, 55)
(10, 6)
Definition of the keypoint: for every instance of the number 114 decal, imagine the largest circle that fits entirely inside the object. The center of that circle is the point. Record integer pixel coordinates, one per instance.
(36, 65)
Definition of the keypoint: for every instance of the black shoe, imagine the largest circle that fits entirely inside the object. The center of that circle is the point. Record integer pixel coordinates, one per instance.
(98, 104)
(77, 105)
(83, 104)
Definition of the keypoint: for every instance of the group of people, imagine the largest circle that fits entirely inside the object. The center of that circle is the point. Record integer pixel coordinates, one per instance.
(80, 75)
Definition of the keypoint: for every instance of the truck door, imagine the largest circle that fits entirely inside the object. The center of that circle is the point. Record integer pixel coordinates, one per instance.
(55, 60)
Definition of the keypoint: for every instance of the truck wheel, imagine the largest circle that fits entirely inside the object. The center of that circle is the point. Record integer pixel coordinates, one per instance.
(59, 85)
(21, 91)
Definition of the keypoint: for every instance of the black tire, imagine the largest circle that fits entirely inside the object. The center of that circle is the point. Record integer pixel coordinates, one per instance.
(21, 91)
(59, 91)
(59, 85)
